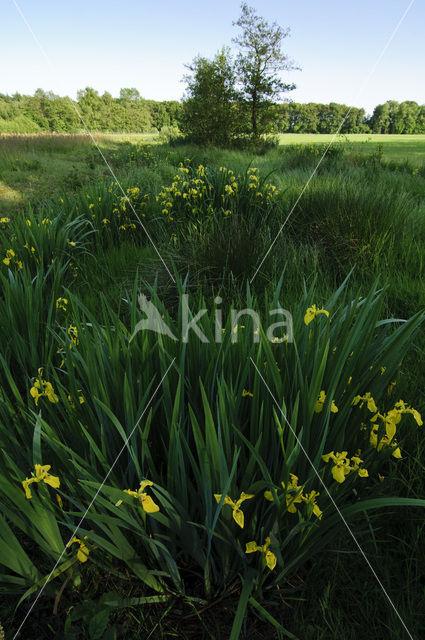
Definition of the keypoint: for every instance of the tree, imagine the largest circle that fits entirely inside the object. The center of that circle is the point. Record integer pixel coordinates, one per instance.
(129, 94)
(210, 113)
(420, 122)
(89, 105)
(407, 116)
(259, 65)
(330, 117)
(61, 115)
(304, 117)
(380, 119)
(355, 121)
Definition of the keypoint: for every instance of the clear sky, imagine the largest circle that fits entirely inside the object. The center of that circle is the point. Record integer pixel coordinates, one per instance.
(109, 44)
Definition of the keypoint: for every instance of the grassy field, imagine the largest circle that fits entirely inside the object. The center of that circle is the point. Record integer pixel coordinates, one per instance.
(32, 166)
(170, 559)
(399, 148)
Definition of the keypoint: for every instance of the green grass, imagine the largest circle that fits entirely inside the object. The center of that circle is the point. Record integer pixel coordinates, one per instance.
(34, 167)
(363, 212)
(395, 147)
(37, 166)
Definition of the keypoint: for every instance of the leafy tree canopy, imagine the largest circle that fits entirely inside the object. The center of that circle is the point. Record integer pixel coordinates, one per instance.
(259, 64)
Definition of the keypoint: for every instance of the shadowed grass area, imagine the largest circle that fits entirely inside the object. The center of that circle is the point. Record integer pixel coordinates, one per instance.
(34, 167)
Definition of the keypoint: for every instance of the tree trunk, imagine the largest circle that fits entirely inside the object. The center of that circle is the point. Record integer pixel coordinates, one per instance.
(254, 114)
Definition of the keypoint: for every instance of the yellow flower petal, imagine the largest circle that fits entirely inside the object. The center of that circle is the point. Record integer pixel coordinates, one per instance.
(270, 560)
(148, 504)
(53, 481)
(338, 474)
(317, 511)
(25, 484)
(390, 429)
(144, 484)
(238, 517)
(134, 494)
(417, 417)
(82, 553)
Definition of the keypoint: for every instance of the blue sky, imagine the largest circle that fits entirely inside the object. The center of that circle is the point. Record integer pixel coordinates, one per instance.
(109, 44)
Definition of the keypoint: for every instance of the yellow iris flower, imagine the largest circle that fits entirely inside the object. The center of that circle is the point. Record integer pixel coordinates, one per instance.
(270, 558)
(61, 303)
(144, 499)
(366, 398)
(238, 515)
(41, 475)
(11, 257)
(73, 334)
(318, 407)
(42, 388)
(295, 495)
(312, 312)
(83, 552)
(344, 465)
(310, 498)
(390, 421)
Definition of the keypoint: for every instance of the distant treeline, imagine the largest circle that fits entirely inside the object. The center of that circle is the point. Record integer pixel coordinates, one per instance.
(45, 111)
(391, 117)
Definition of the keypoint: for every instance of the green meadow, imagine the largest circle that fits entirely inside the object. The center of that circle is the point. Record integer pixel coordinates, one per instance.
(212, 480)
(397, 147)
(34, 165)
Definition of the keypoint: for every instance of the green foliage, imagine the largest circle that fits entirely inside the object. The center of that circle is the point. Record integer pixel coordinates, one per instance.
(303, 156)
(393, 117)
(170, 135)
(312, 117)
(200, 436)
(259, 65)
(203, 433)
(210, 110)
(215, 214)
(359, 223)
(225, 100)
(18, 124)
(46, 111)
(39, 238)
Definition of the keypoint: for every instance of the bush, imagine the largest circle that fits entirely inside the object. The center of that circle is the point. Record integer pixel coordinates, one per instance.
(210, 114)
(170, 135)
